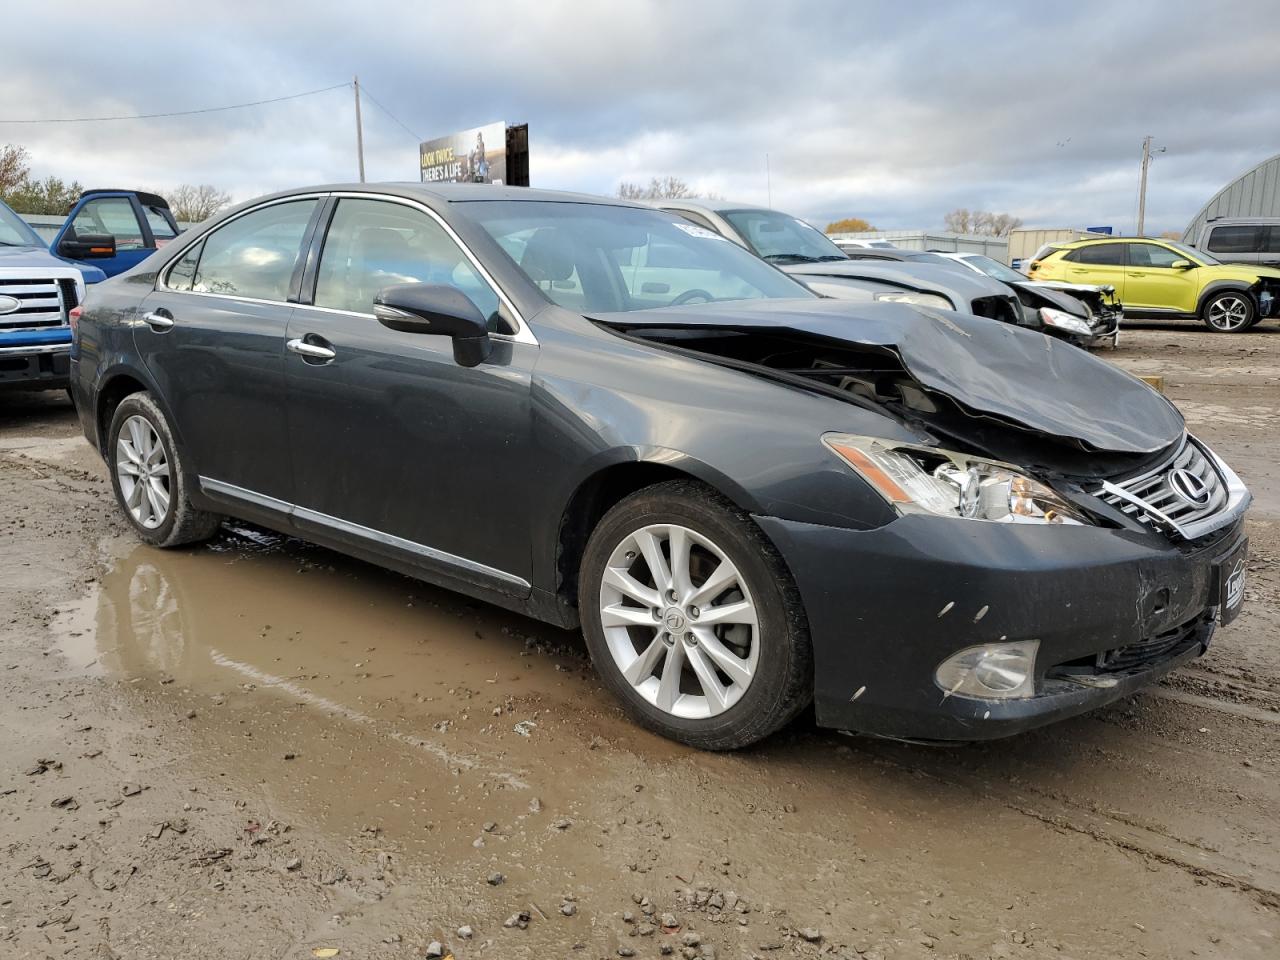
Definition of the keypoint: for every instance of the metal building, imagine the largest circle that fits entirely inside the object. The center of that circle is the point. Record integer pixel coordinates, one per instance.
(1252, 194)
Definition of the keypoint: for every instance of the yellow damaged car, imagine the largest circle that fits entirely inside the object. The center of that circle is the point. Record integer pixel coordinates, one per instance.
(1163, 278)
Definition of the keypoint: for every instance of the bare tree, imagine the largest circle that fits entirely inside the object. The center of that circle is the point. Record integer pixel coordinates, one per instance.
(13, 168)
(657, 188)
(981, 222)
(193, 203)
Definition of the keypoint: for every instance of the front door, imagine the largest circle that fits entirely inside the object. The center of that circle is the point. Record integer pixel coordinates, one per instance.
(212, 336)
(396, 448)
(1151, 282)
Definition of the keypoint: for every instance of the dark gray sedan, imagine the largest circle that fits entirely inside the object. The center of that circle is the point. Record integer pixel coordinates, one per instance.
(599, 414)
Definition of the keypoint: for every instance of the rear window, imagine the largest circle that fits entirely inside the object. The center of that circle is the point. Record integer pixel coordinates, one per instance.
(1099, 254)
(1236, 239)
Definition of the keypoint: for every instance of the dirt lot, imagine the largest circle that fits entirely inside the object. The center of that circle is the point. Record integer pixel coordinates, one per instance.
(260, 749)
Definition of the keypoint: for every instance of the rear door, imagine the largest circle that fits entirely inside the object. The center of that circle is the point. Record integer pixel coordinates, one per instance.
(396, 449)
(1097, 263)
(1151, 282)
(212, 336)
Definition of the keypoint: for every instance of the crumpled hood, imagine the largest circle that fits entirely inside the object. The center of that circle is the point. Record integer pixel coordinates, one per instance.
(960, 283)
(986, 366)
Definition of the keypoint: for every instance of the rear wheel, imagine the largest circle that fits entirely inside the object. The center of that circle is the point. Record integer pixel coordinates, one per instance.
(148, 478)
(692, 618)
(1231, 311)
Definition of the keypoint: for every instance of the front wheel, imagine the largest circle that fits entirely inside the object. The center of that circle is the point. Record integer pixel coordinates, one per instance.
(1231, 311)
(692, 618)
(148, 478)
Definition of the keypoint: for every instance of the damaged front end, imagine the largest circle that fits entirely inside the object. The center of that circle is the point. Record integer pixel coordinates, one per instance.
(1103, 311)
(1266, 293)
(1060, 539)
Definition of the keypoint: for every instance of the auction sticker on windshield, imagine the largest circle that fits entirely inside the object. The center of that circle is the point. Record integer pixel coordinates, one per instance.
(693, 230)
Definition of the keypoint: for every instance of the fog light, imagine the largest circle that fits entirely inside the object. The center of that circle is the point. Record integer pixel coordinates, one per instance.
(991, 671)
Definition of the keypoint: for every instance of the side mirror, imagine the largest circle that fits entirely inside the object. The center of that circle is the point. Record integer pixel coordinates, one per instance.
(433, 308)
(88, 246)
(1182, 265)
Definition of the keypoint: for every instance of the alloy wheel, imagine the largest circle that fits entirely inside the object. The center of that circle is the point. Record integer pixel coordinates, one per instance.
(142, 468)
(679, 621)
(1228, 313)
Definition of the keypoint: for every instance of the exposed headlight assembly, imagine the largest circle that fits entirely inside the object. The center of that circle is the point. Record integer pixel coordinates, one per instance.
(937, 301)
(992, 671)
(1061, 320)
(943, 483)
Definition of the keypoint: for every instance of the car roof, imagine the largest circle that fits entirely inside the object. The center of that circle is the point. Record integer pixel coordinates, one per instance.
(704, 203)
(451, 192)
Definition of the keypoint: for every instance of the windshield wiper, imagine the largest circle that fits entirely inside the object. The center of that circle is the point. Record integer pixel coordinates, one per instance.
(794, 257)
(831, 256)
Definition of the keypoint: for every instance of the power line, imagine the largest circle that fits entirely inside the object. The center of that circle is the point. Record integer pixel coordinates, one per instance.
(365, 90)
(187, 113)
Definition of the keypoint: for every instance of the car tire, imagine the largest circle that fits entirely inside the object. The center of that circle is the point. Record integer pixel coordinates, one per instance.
(743, 624)
(1231, 311)
(149, 479)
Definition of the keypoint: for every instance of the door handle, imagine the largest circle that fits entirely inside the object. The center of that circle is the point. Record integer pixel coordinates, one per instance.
(1136, 273)
(158, 320)
(310, 351)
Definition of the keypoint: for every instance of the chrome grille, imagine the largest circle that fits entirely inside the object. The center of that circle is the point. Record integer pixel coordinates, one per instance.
(42, 299)
(1180, 494)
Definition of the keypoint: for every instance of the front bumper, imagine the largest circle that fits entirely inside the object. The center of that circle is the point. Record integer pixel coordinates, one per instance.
(41, 366)
(887, 606)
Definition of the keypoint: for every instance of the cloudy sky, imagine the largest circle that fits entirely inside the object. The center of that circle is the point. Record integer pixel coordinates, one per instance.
(895, 112)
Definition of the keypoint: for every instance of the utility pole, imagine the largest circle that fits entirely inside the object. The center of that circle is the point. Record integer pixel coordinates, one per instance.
(1142, 189)
(360, 133)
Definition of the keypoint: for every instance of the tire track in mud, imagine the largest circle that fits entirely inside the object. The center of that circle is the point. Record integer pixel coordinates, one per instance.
(1067, 815)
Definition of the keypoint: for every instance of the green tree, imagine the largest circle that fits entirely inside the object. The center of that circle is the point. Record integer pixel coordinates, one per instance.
(51, 196)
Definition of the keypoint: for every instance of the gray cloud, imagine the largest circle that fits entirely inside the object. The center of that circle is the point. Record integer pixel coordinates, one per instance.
(895, 113)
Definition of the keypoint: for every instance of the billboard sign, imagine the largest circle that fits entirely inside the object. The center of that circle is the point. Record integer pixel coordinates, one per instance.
(471, 156)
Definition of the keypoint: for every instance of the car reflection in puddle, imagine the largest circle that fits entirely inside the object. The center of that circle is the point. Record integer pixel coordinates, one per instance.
(259, 608)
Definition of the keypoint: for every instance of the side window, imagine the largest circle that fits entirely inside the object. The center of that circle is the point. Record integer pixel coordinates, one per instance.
(1098, 254)
(373, 244)
(159, 225)
(1242, 239)
(254, 255)
(183, 273)
(1272, 244)
(113, 215)
(1150, 255)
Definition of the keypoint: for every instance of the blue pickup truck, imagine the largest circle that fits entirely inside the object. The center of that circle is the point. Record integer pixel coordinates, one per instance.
(106, 232)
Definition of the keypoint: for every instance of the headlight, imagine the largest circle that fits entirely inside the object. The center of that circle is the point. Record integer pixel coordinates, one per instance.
(934, 300)
(1061, 320)
(993, 671)
(948, 484)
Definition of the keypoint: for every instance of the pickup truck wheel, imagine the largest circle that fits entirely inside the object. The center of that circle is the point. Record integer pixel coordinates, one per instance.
(1231, 311)
(148, 478)
(692, 618)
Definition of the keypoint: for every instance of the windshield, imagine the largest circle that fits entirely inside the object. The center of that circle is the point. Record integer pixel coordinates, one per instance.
(1193, 254)
(776, 236)
(601, 258)
(996, 269)
(14, 231)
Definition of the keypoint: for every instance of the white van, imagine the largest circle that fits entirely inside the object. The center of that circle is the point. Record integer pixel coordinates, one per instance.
(1252, 240)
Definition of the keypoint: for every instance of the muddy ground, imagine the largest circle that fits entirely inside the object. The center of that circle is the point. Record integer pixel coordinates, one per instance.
(260, 749)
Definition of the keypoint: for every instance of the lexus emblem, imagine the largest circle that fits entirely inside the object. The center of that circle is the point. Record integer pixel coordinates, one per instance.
(9, 304)
(1188, 487)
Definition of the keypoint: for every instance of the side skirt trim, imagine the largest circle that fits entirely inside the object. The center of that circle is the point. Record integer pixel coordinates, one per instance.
(377, 537)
